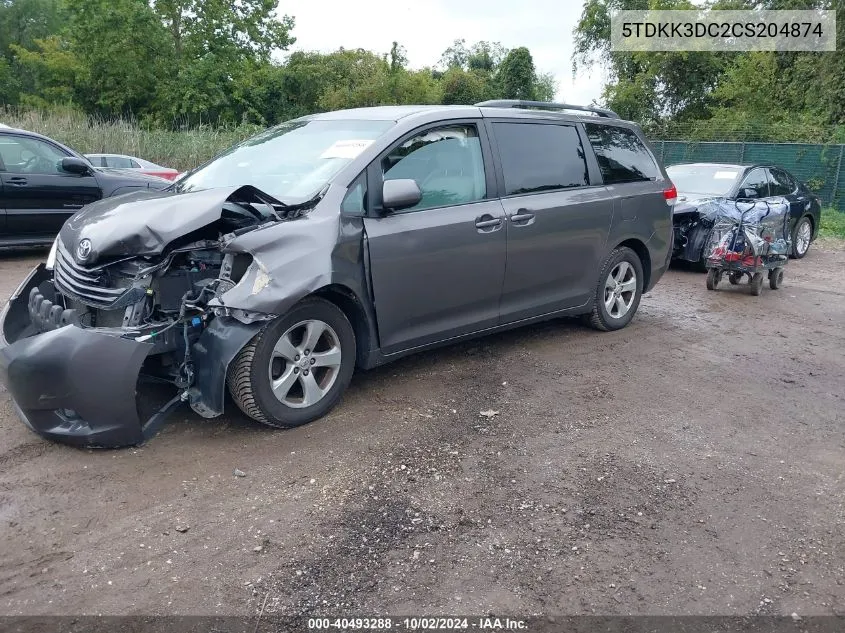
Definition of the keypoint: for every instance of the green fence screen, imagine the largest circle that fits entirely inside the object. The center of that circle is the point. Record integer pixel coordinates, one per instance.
(819, 166)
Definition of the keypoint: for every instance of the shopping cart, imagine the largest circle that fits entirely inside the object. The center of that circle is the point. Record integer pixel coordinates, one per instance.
(749, 238)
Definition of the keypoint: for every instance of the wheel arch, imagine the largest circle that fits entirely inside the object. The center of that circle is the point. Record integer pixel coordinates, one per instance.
(813, 224)
(639, 247)
(351, 306)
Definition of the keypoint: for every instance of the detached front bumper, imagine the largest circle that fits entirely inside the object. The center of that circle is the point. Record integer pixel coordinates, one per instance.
(71, 384)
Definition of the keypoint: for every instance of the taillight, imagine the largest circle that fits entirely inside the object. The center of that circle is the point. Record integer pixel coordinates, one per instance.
(671, 194)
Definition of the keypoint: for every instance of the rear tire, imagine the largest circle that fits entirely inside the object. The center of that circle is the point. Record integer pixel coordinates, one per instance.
(296, 369)
(776, 278)
(802, 236)
(618, 292)
(757, 284)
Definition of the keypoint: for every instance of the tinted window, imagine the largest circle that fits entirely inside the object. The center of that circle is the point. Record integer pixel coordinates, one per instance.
(23, 155)
(756, 180)
(621, 155)
(445, 162)
(780, 183)
(537, 157)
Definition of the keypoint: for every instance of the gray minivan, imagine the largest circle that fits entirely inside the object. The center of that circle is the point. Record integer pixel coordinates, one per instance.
(332, 241)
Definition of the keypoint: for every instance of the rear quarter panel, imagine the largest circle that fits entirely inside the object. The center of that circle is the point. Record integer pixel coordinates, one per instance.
(641, 213)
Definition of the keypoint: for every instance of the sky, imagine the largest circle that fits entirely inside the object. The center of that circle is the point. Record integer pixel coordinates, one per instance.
(428, 27)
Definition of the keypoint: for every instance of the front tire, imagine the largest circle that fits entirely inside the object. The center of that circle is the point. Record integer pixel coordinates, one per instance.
(757, 284)
(802, 237)
(296, 369)
(619, 290)
(714, 276)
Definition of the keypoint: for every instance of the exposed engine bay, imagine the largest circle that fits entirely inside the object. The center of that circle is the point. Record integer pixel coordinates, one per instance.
(162, 299)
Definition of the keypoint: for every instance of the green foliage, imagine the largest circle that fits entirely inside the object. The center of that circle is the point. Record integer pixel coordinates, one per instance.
(47, 75)
(516, 76)
(187, 63)
(833, 223)
(22, 22)
(767, 96)
(464, 86)
(119, 46)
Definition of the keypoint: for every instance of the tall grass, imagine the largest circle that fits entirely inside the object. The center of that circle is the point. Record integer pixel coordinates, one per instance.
(182, 149)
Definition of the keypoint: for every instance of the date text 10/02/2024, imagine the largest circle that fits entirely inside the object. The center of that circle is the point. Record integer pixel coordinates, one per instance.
(484, 623)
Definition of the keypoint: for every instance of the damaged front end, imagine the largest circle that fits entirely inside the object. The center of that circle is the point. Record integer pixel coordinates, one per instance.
(692, 223)
(134, 294)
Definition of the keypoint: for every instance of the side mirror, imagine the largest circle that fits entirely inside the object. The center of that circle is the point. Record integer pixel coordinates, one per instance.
(748, 192)
(400, 194)
(74, 165)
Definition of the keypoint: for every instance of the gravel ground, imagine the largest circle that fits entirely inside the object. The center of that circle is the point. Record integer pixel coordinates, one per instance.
(689, 464)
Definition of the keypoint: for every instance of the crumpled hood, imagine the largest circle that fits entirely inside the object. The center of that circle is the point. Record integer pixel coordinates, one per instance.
(141, 222)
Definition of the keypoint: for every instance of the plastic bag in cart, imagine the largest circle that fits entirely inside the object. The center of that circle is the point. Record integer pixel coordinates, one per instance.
(745, 230)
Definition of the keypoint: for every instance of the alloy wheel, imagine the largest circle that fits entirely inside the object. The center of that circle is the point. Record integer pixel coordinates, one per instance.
(620, 290)
(305, 363)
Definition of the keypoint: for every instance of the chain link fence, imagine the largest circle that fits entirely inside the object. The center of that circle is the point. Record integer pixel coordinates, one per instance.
(820, 166)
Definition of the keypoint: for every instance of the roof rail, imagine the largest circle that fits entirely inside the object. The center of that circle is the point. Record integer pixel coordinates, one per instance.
(545, 105)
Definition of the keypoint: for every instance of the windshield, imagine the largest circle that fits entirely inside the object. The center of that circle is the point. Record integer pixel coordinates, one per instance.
(292, 161)
(707, 180)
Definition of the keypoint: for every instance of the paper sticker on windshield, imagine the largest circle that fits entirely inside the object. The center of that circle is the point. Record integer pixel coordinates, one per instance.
(727, 175)
(346, 149)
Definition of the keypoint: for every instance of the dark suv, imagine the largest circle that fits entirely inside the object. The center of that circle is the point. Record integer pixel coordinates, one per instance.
(328, 242)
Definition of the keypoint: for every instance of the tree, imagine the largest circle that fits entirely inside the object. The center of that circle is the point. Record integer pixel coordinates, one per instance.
(516, 77)
(247, 29)
(398, 57)
(50, 74)
(462, 87)
(215, 46)
(122, 48)
(24, 21)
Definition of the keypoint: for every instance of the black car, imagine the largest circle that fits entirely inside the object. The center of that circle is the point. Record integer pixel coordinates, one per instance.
(43, 183)
(699, 182)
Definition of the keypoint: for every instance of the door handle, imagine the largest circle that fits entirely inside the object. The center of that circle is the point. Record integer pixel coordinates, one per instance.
(522, 217)
(17, 181)
(487, 222)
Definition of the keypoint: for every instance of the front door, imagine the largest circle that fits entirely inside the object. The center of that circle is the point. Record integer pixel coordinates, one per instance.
(37, 194)
(437, 268)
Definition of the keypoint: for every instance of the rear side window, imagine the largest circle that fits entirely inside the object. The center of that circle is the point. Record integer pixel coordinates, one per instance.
(781, 183)
(622, 156)
(758, 181)
(119, 162)
(538, 157)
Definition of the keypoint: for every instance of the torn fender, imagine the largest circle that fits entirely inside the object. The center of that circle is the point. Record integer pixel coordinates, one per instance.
(212, 353)
(291, 260)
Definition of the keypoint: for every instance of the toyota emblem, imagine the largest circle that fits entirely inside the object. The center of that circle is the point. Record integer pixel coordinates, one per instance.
(84, 249)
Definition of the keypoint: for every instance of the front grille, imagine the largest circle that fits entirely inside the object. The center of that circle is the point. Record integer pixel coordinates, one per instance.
(89, 287)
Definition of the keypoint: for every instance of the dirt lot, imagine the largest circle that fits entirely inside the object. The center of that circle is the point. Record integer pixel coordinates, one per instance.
(690, 464)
